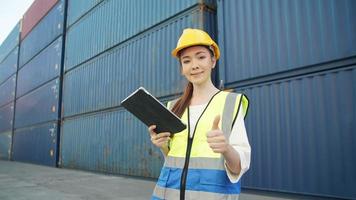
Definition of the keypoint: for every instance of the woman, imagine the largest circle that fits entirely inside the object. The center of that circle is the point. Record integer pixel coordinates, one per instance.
(208, 158)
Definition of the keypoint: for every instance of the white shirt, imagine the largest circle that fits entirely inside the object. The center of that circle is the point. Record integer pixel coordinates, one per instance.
(238, 139)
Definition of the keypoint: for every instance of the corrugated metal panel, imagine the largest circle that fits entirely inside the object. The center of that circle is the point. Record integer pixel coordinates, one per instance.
(113, 142)
(6, 117)
(38, 106)
(264, 37)
(34, 14)
(123, 19)
(302, 134)
(36, 144)
(77, 9)
(11, 41)
(42, 68)
(50, 27)
(104, 81)
(9, 65)
(7, 91)
(5, 145)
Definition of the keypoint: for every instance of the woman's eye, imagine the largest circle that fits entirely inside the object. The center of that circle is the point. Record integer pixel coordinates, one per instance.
(186, 61)
(201, 57)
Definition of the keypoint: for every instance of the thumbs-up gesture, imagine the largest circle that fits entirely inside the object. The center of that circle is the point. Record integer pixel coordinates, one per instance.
(216, 138)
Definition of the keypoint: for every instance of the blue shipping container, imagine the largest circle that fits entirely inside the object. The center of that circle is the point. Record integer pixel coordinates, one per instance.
(77, 9)
(11, 41)
(7, 91)
(6, 117)
(47, 30)
(42, 68)
(302, 134)
(265, 37)
(107, 79)
(40, 105)
(123, 20)
(9, 65)
(5, 145)
(111, 142)
(37, 144)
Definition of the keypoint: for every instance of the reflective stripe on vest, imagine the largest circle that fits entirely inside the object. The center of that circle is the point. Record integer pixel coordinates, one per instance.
(195, 163)
(173, 194)
(206, 176)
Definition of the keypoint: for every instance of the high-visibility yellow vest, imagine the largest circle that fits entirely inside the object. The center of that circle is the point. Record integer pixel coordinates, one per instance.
(199, 173)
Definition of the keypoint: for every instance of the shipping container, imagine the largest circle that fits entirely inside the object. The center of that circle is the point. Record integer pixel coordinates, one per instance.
(295, 61)
(7, 91)
(111, 142)
(142, 61)
(11, 41)
(42, 68)
(9, 65)
(5, 145)
(36, 144)
(302, 134)
(76, 9)
(40, 105)
(34, 14)
(123, 20)
(6, 117)
(259, 37)
(47, 30)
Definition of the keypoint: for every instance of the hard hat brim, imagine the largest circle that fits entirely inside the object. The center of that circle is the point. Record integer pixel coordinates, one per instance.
(176, 50)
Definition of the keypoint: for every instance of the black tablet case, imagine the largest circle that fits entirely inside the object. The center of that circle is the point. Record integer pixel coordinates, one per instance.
(152, 112)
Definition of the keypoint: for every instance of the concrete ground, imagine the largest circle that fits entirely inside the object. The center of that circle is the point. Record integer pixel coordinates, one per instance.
(21, 181)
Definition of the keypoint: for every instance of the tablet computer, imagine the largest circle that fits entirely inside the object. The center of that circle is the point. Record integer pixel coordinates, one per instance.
(151, 111)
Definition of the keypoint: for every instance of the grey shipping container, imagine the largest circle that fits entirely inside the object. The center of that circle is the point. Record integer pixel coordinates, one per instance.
(6, 117)
(11, 41)
(42, 68)
(7, 91)
(259, 37)
(111, 142)
(302, 134)
(5, 145)
(40, 105)
(37, 144)
(9, 65)
(47, 30)
(123, 20)
(144, 60)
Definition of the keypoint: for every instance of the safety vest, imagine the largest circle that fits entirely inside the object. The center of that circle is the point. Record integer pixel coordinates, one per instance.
(191, 169)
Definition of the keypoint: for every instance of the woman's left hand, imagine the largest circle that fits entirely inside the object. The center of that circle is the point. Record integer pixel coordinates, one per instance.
(216, 138)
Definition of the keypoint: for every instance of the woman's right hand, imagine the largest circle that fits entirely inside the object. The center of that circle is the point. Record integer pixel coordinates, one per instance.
(158, 139)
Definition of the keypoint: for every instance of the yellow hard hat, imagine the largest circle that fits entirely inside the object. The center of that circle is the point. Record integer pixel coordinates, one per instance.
(193, 37)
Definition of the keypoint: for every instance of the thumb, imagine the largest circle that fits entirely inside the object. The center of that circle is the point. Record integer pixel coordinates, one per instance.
(216, 123)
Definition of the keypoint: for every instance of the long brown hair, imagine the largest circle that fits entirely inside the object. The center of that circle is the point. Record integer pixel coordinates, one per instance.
(184, 101)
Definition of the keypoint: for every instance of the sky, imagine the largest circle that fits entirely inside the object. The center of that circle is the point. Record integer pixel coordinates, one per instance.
(11, 11)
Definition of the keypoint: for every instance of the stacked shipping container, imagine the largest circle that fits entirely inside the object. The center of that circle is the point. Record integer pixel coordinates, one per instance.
(38, 85)
(295, 60)
(9, 51)
(34, 14)
(128, 51)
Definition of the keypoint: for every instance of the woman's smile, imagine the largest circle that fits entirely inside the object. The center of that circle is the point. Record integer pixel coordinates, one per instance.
(195, 74)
